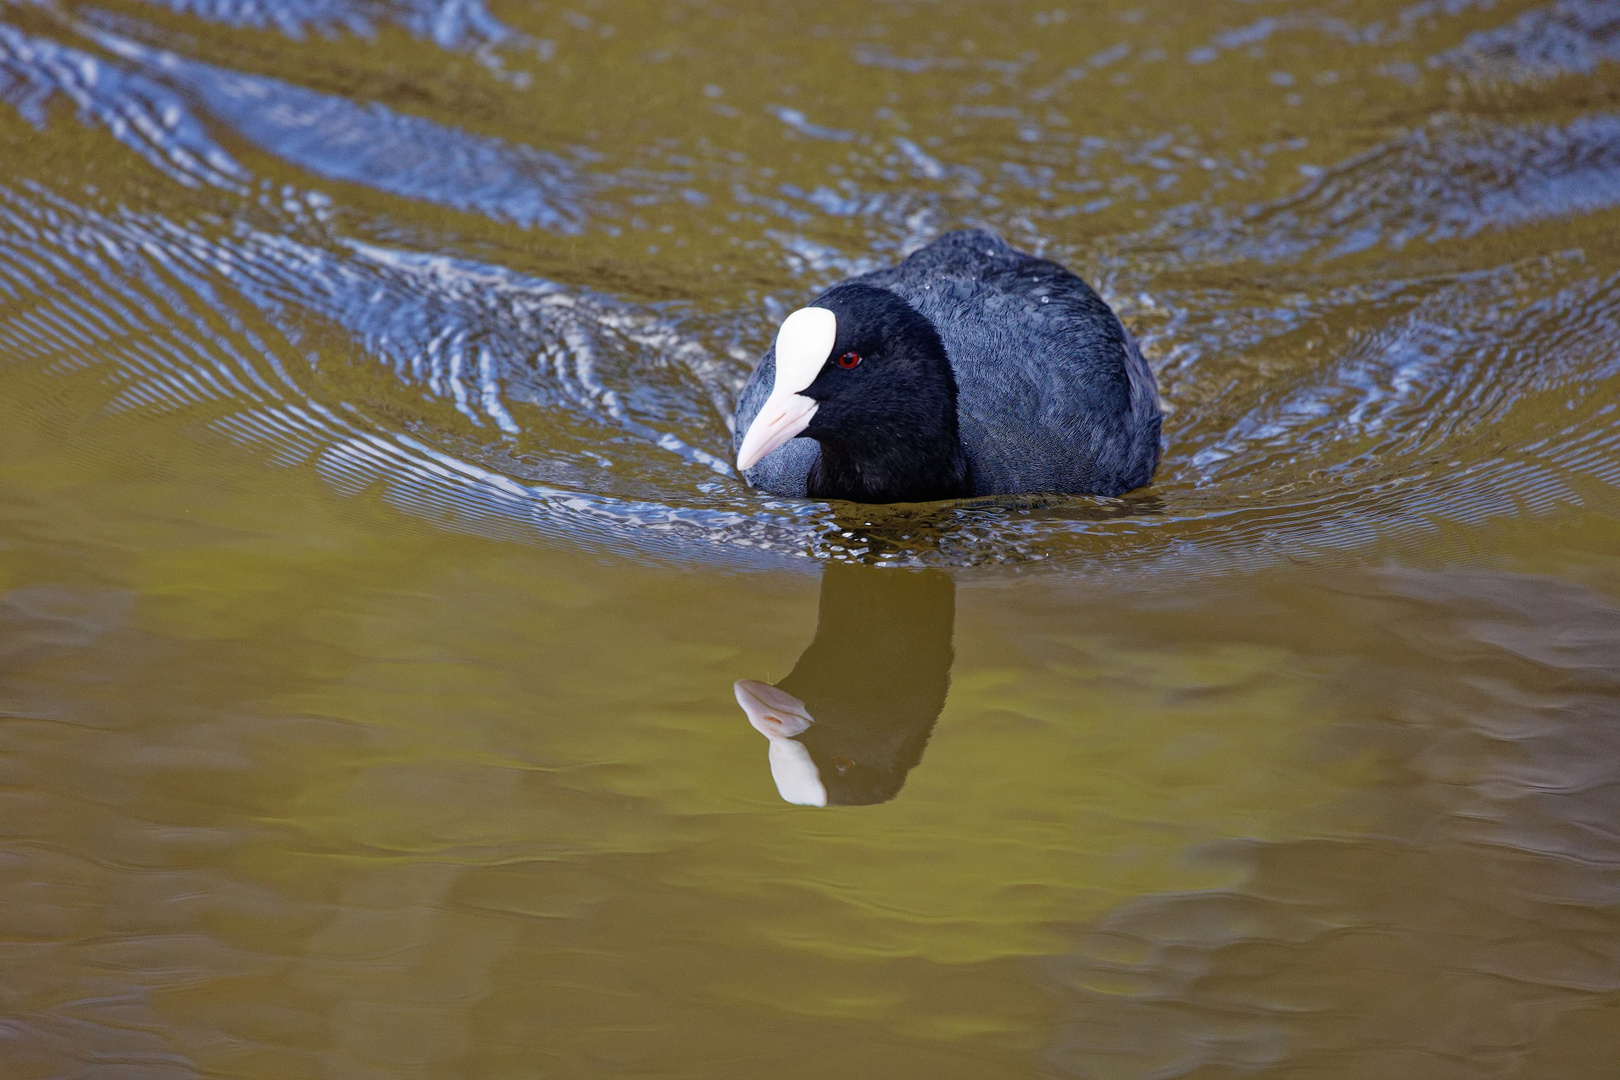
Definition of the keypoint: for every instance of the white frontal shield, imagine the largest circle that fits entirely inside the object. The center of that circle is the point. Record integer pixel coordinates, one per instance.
(803, 344)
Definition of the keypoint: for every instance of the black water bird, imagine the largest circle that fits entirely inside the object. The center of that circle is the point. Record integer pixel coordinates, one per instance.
(853, 717)
(968, 369)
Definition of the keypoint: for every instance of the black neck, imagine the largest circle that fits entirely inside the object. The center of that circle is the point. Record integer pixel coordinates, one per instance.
(905, 468)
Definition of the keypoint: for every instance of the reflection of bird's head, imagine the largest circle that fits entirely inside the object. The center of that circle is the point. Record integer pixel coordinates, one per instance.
(853, 717)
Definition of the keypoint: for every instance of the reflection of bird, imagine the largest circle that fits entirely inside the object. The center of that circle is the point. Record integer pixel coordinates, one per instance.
(969, 369)
(852, 718)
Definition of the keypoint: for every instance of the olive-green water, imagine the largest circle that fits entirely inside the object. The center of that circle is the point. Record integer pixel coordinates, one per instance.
(373, 578)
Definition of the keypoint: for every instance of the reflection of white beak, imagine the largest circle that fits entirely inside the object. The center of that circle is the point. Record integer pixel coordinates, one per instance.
(775, 714)
(778, 715)
(781, 418)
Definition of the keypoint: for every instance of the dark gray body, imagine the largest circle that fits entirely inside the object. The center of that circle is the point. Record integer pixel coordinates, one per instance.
(1052, 393)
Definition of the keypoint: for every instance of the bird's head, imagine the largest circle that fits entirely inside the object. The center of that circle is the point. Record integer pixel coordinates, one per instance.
(866, 375)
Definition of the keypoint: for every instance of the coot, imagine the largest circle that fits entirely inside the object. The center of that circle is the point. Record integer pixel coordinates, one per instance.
(969, 369)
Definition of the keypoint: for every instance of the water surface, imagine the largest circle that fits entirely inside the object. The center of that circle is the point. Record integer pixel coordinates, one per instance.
(374, 582)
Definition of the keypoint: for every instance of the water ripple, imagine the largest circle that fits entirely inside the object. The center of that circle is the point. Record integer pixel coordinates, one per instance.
(403, 155)
(1569, 37)
(147, 117)
(450, 24)
(527, 407)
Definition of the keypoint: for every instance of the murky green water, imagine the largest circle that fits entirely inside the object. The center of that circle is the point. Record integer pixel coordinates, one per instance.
(373, 581)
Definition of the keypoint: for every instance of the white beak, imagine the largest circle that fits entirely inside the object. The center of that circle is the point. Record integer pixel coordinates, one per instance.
(781, 418)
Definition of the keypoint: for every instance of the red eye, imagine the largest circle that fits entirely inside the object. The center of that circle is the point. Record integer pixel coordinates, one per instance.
(843, 764)
(849, 360)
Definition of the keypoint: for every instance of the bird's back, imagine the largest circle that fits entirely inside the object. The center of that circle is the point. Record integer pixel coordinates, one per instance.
(1052, 393)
